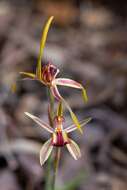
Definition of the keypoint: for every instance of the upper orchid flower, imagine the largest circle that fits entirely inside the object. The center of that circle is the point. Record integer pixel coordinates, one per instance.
(47, 73)
(59, 136)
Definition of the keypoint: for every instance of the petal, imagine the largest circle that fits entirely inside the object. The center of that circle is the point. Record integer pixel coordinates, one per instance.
(67, 82)
(73, 84)
(40, 122)
(42, 45)
(60, 109)
(31, 75)
(73, 127)
(45, 151)
(74, 150)
(55, 92)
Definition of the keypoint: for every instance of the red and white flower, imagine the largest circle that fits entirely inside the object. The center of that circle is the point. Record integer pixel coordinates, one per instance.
(59, 137)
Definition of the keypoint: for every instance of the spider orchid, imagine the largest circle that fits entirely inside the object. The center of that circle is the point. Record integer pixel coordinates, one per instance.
(59, 136)
(47, 73)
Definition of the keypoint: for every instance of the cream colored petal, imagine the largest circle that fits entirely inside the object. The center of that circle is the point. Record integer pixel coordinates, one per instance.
(74, 150)
(74, 127)
(45, 151)
(40, 122)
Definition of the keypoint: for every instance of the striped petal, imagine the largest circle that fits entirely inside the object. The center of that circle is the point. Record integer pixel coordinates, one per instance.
(67, 82)
(74, 127)
(29, 75)
(73, 84)
(42, 45)
(74, 150)
(45, 151)
(40, 122)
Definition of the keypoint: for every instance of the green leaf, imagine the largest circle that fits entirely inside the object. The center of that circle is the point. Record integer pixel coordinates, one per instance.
(42, 45)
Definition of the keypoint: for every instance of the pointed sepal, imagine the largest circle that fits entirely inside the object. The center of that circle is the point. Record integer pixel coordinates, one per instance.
(84, 94)
(40, 122)
(74, 150)
(45, 151)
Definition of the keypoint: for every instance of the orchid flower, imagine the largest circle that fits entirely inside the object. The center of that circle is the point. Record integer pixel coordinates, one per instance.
(47, 74)
(59, 136)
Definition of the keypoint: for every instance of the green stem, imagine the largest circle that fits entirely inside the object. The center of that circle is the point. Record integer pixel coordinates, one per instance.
(51, 181)
(56, 164)
(48, 185)
(48, 174)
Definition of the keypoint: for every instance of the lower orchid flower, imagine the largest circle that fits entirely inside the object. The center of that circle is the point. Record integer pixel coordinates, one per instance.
(59, 137)
(47, 73)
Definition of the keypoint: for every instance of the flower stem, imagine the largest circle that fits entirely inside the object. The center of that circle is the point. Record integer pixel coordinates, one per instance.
(48, 185)
(56, 164)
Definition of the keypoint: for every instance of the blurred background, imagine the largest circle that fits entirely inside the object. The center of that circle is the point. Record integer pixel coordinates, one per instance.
(88, 42)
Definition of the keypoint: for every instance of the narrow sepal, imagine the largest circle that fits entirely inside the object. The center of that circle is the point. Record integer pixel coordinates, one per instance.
(74, 150)
(84, 94)
(45, 151)
(26, 74)
(40, 122)
(42, 45)
(73, 126)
